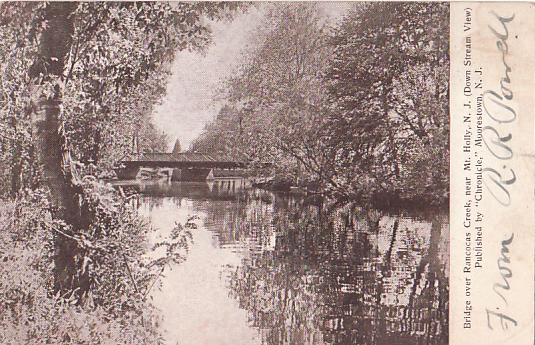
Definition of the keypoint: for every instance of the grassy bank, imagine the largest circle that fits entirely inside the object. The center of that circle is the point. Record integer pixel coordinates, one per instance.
(115, 310)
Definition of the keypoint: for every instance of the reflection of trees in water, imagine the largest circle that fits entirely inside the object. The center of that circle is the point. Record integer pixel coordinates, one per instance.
(244, 220)
(326, 273)
(335, 275)
(151, 203)
(331, 273)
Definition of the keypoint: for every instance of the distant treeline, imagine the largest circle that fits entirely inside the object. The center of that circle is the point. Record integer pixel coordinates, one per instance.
(355, 109)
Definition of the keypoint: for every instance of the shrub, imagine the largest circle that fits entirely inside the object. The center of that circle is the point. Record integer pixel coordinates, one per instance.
(115, 310)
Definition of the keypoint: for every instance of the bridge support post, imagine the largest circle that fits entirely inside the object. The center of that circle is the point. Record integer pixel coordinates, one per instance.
(176, 175)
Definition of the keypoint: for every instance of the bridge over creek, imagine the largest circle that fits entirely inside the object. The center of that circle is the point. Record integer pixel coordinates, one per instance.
(185, 166)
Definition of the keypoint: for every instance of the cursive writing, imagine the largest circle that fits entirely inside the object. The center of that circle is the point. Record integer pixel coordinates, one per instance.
(506, 273)
(498, 109)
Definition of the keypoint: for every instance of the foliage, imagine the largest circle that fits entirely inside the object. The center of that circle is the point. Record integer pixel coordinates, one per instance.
(176, 248)
(275, 97)
(95, 103)
(116, 71)
(110, 253)
(30, 314)
(18, 34)
(356, 111)
(389, 98)
(177, 148)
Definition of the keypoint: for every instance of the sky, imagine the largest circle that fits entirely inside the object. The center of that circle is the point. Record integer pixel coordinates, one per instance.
(195, 78)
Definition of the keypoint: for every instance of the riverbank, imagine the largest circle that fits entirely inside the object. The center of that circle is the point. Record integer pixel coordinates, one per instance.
(379, 199)
(112, 312)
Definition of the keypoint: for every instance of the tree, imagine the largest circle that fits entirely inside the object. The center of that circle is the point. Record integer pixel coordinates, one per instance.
(388, 95)
(90, 61)
(177, 148)
(46, 73)
(275, 97)
(118, 71)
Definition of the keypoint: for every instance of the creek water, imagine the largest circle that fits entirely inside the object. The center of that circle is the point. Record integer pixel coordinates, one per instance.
(265, 268)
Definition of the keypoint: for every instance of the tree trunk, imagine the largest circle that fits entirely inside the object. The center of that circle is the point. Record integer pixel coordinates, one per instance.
(47, 71)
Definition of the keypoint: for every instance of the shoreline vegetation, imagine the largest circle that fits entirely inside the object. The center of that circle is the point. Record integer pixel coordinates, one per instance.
(381, 200)
(114, 310)
(355, 110)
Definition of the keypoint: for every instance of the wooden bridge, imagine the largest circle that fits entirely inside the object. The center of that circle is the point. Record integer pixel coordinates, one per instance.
(185, 166)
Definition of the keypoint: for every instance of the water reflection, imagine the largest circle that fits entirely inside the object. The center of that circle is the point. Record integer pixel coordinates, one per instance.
(314, 273)
(210, 190)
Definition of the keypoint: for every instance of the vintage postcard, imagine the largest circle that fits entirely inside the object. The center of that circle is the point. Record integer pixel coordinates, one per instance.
(267, 172)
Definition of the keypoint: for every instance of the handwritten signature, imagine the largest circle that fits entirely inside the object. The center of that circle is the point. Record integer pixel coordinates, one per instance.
(498, 108)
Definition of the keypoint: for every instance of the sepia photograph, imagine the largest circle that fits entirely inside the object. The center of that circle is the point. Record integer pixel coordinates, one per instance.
(224, 172)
